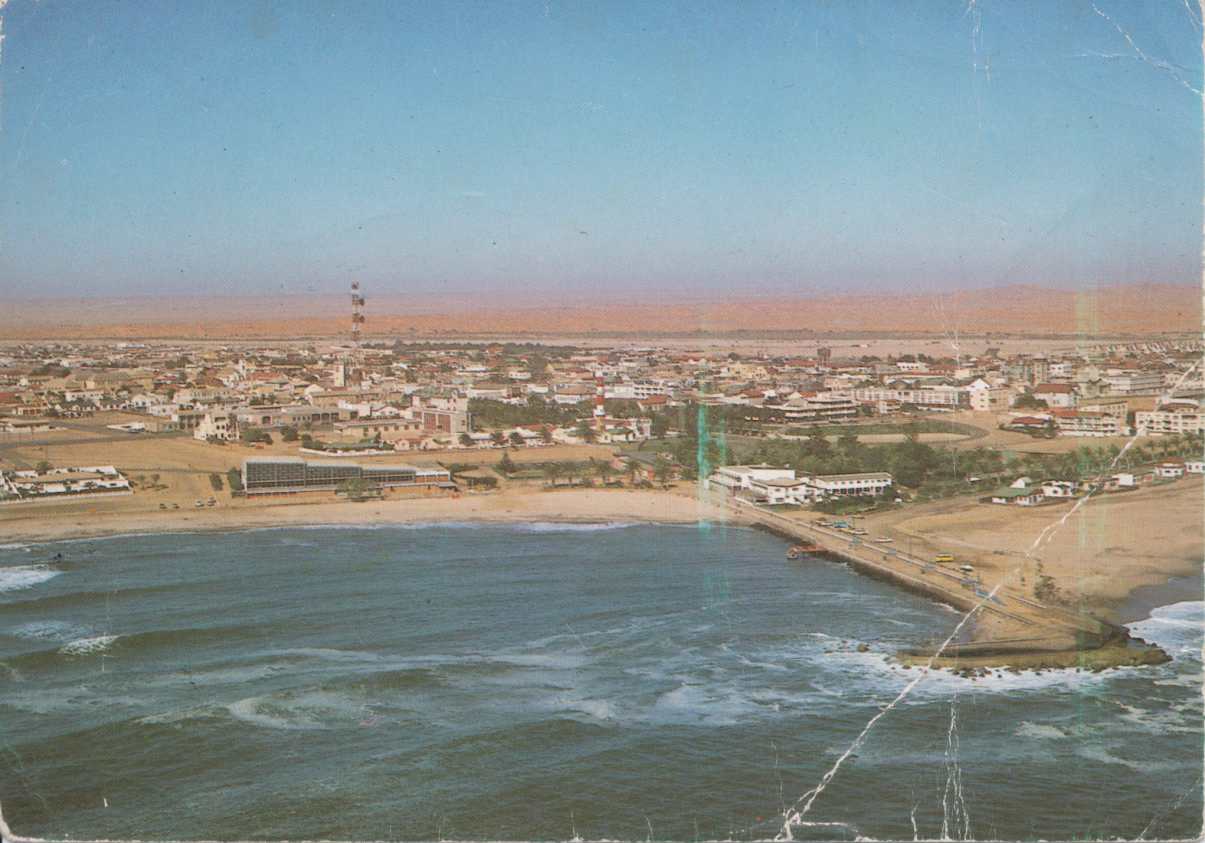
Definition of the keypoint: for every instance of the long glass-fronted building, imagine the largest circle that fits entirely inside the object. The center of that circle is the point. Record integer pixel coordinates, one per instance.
(281, 475)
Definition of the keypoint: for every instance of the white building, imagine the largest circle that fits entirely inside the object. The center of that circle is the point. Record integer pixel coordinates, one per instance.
(947, 398)
(1177, 417)
(1133, 381)
(850, 485)
(1056, 395)
(1089, 423)
(219, 425)
(735, 478)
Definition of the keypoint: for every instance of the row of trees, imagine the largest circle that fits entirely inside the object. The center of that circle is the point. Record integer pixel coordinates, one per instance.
(577, 471)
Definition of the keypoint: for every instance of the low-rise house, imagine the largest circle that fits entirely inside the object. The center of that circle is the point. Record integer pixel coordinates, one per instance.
(1055, 394)
(27, 485)
(1059, 488)
(383, 430)
(1018, 497)
(1170, 469)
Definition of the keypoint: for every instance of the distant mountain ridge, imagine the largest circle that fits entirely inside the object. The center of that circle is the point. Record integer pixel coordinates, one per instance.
(1019, 309)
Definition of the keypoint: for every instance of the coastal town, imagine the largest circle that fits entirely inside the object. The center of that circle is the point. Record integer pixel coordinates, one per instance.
(889, 455)
(1019, 429)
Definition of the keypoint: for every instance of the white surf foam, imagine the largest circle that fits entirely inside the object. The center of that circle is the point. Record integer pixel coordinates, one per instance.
(1039, 731)
(1178, 628)
(25, 576)
(88, 646)
(50, 631)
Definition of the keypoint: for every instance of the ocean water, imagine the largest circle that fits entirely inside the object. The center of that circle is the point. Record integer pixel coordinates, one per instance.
(547, 682)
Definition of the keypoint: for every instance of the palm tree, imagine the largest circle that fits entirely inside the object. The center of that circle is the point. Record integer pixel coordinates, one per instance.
(552, 471)
(604, 470)
(661, 469)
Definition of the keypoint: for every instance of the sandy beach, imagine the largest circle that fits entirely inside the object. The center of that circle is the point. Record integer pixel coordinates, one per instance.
(50, 523)
(1097, 556)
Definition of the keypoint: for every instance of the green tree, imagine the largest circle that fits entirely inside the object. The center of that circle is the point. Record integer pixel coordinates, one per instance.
(42, 467)
(552, 473)
(585, 431)
(353, 487)
(466, 440)
(604, 470)
(498, 437)
(660, 426)
(1026, 400)
(288, 433)
(662, 468)
(506, 465)
(516, 438)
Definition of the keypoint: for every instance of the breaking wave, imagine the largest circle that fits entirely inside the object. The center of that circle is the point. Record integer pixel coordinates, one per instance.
(88, 646)
(25, 576)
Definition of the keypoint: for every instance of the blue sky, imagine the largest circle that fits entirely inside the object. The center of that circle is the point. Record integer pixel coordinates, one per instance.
(597, 147)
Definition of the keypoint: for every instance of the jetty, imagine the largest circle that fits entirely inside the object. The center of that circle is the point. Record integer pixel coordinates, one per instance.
(1011, 627)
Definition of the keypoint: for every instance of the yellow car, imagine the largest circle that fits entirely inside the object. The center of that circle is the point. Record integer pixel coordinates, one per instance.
(943, 558)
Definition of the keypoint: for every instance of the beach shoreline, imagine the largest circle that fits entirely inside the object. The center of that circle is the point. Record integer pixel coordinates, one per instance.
(578, 506)
(509, 507)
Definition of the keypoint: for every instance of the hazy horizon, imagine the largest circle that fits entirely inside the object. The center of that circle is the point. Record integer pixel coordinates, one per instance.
(581, 151)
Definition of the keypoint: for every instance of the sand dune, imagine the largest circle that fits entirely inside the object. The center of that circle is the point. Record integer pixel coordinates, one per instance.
(1135, 309)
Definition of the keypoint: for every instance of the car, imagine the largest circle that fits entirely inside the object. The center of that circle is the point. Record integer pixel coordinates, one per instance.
(967, 569)
(884, 540)
(163, 506)
(198, 503)
(943, 559)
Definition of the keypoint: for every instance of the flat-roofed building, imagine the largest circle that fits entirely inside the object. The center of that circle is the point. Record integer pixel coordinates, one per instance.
(1179, 417)
(386, 430)
(1088, 423)
(734, 478)
(865, 484)
(290, 416)
(284, 475)
(1133, 381)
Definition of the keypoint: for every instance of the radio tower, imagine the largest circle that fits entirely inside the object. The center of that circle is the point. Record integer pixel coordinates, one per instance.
(600, 408)
(357, 314)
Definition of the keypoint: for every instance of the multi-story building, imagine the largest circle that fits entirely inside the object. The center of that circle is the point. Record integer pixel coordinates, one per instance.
(219, 425)
(1174, 417)
(1088, 423)
(1133, 381)
(944, 398)
(849, 485)
(821, 407)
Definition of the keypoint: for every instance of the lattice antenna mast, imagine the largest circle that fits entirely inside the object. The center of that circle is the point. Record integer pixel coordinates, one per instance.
(357, 314)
